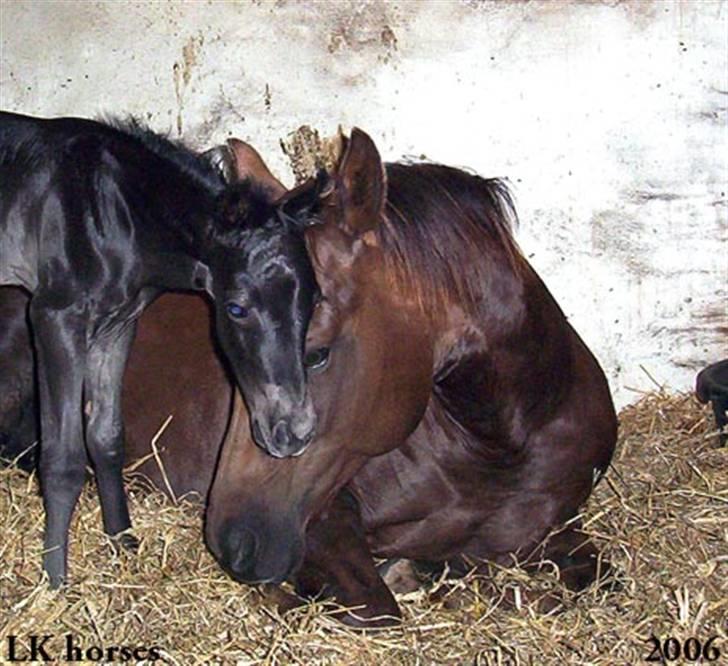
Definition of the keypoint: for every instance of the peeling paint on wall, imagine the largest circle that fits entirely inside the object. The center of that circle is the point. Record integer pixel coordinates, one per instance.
(608, 117)
(308, 152)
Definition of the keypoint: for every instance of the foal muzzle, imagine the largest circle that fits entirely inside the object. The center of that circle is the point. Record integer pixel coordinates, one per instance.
(285, 436)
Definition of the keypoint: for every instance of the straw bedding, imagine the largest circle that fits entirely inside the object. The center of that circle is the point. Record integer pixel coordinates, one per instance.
(660, 517)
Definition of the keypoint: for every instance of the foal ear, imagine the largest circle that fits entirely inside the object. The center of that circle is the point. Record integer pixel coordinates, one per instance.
(301, 204)
(221, 158)
(361, 183)
(249, 165)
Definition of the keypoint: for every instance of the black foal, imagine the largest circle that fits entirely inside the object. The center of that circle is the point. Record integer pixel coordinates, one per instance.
(96, 220)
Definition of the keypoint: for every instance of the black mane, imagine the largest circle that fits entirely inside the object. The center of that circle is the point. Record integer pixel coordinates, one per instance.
(191, 164)
(240, 207)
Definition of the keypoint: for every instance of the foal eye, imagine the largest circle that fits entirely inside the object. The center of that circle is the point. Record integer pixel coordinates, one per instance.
(236, 311)
(316, 358)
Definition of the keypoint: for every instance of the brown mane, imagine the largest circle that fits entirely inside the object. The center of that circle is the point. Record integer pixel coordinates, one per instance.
(446, 231)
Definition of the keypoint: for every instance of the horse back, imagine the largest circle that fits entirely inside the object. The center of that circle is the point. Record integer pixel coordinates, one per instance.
(27, 142)
(61, 200)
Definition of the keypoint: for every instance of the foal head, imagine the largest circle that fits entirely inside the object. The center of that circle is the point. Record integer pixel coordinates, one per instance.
(263, 286)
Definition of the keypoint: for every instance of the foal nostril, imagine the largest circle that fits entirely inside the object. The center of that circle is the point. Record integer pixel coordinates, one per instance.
(281, 436)
(278, 442)
(303, 425)
(286, 442)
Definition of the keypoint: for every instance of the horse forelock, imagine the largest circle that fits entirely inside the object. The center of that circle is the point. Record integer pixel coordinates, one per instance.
(445, 231)
(242, 209)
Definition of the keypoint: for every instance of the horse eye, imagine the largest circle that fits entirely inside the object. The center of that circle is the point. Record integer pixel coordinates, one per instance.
(316, 358)
(236, 311)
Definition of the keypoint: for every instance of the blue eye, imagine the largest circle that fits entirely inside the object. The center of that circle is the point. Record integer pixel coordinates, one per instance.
(236, 311)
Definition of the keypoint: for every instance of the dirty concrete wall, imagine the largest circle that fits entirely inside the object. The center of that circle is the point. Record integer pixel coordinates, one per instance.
(608, 117)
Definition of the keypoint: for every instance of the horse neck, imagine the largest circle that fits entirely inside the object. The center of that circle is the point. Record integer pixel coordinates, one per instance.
(491, 357)
(173, 234)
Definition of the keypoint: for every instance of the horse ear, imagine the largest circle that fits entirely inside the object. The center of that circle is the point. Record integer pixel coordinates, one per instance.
(249, 165)
(361, 182)
(221, 158)
(300, 205)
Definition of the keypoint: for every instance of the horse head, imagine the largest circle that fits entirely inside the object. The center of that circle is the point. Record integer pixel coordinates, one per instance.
(263, 286)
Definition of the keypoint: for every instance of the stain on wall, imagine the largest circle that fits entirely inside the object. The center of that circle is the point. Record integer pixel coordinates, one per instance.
(363, 26)
(308, 152)
(182, 71)
(608, 117)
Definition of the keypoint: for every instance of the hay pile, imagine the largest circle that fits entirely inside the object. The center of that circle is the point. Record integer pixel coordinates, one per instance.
(660, 516)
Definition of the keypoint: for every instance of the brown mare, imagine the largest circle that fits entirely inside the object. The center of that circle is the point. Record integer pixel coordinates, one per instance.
(460, 417)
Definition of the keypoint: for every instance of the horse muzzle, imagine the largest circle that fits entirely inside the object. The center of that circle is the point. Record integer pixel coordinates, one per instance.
(251, 557)
(287, 436)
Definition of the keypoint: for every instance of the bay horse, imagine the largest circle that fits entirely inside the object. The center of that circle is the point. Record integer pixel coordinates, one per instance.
(96, 220)
(460, 417)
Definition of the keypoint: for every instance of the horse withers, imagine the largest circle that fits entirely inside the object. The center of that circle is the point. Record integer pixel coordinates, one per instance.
(96, 220)
(460, 417)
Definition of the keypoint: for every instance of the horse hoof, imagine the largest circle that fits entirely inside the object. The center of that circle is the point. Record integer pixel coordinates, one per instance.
(125, 541)
(400, 576)
(56, 582)
(378, 610)
(54, 567)
(284, 601)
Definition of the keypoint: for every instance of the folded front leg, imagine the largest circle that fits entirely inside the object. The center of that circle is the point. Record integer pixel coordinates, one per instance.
(339, 565)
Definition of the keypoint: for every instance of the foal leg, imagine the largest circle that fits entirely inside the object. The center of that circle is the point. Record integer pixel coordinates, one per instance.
(60, 346)
(18, 419)
(720, 407)
(338, 564)
(105, 430)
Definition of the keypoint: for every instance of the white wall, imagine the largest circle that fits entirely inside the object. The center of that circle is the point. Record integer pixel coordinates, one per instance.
(608, 117)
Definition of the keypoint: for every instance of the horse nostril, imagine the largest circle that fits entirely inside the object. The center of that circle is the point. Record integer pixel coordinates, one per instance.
(276, 442)
(303, 426)
(302, 444)
(281, 435)
(240, 547)
(286, 442)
